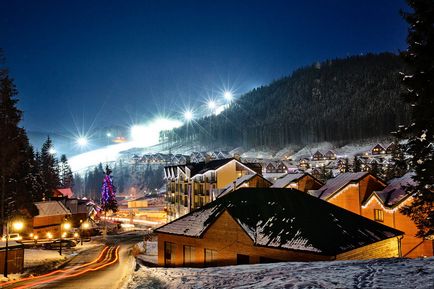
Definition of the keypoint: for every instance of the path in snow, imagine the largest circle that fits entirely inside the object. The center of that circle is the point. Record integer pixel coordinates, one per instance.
(379, 273)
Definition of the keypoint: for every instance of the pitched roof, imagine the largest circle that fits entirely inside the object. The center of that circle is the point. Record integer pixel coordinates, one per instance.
(202, 167)
(239, 182)
(51, 208)
(286, 219)
(395, 192)
(336, 184)
(66, 192)
(285, 180)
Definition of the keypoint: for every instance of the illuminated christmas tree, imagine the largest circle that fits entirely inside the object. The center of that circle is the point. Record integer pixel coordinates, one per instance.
(108, 192)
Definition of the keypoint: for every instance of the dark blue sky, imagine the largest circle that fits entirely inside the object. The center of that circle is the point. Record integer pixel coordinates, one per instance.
(117, 62)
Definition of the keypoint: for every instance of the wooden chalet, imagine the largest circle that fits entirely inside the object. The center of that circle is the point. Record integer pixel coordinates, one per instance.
(317, 156)
(303, 164)
(378, 149)
(302, 182)
(51, 214)
(349, 190)
(330, 155)
(384, 207)
(262, 225)
(390, 149)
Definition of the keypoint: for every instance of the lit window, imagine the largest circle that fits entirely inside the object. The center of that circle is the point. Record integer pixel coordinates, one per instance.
(210, 257)
(189, 253)
(378, 215)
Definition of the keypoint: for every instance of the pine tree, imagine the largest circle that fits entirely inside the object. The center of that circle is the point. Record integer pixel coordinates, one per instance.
(49, 168)
(18, 189)
(108, 193)
(357, 164)
(65, 173)
(419, 58)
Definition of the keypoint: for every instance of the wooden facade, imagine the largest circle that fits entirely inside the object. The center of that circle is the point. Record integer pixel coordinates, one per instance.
(370, 197)
(226, 239)
(349, 190)
(412, 246)
(15, 257)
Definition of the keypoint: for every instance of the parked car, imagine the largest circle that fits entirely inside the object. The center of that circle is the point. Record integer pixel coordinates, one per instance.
(13, 237)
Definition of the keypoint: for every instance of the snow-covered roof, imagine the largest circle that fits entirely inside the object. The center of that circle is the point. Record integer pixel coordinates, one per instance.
(286, 219)
(51, 208)
(285, 180)
(336, 184)
(395, 192)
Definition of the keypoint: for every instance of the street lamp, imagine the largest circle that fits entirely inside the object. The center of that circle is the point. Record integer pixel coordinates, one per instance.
(17, 226)
(65, 226)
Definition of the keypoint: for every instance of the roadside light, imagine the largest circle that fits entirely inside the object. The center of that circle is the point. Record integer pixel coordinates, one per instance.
(18, 226)
(86, 225)
(35, 237)
(76, 235)
(63, 234)
(49, 235)
(31, 235)
(67, 226)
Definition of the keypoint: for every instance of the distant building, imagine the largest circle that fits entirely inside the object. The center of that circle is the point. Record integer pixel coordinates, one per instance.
(317, 156)
(378, 149)
(390, 149)
(193, 185)
(302, 182)
(262, 225)
(330, 155)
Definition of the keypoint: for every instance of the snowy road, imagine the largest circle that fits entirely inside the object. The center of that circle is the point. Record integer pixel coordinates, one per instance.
(382, 273)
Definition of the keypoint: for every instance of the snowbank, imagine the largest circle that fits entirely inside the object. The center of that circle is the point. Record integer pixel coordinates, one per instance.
(380, 273)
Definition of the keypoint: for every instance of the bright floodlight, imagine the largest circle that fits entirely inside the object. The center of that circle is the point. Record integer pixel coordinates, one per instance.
(108, 134)
(212, 105)
(82, 141)
(18, 226)
(228, 95)
(188, 115)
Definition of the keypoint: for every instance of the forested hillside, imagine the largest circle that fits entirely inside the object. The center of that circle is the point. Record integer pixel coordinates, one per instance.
(339, 100)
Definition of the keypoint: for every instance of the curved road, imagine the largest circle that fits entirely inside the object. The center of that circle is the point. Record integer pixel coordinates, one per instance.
(106, 267)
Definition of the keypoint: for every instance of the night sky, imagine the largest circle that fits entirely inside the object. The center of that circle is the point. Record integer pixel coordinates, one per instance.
(121, 62)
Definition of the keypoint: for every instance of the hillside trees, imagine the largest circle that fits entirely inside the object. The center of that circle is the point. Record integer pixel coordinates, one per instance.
(343, 100)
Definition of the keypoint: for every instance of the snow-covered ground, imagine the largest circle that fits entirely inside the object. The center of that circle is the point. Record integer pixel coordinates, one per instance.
(380, 273)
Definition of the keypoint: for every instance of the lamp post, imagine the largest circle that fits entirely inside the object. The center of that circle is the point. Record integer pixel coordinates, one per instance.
(17, 226)
(65, 226)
